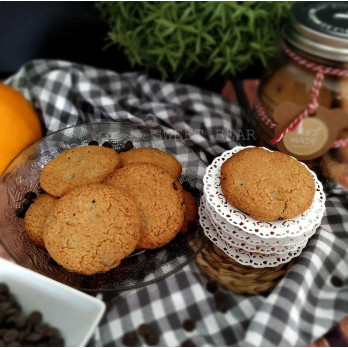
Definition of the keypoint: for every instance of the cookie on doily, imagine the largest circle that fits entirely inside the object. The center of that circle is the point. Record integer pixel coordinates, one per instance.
(267, 185)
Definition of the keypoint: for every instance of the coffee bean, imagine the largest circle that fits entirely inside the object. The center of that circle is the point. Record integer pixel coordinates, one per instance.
(26, 205)
(14, 344)
(195, 192)
(145, 329)
(130, 339)
(219, 296)
(10, 336)
(192, 226)
(2, 332)
(42, 329)
(186, 186)
(34, 337)
(35, 318)
(2, 343)
(30, 196)
(3, 298)
(152, 339)
(56, 342)
(20, 213)
(41, 191)
(51, 332)
(20, 322)
(4, 306)
(93, 143)
(11, 319)
(108, 145)
(212, 287)
(4, 290)
(189, 325)
(128, 146)
(336, 281)
(221, 307)
(188, 343)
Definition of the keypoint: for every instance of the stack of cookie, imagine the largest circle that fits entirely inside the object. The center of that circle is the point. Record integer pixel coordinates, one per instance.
(260, 207)
(99, 205)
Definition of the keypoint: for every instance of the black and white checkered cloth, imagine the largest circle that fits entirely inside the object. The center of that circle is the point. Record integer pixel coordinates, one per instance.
(304, 306)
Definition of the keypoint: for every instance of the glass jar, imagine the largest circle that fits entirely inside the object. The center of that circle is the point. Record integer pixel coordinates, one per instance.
(315, 38)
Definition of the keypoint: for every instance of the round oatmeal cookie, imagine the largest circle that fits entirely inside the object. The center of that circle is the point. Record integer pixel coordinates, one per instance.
(92, 228)
(267, 185)
(191, 212)
(35, 219)
(153, 156)
(159, 197)
(77, 167)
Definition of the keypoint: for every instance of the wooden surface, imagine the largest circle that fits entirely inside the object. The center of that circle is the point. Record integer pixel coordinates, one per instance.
(243, 92)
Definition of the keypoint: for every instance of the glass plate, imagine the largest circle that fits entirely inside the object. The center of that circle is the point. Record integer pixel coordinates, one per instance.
(140, 268)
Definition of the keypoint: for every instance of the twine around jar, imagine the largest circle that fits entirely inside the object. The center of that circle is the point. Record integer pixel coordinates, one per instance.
(311, 108)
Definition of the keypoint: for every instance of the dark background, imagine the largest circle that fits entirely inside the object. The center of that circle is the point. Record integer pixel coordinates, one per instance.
(69, 31)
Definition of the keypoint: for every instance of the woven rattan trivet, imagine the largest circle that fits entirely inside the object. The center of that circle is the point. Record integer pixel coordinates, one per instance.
(237, 278)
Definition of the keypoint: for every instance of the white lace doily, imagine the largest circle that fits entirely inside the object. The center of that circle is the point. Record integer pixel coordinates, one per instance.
(241, 256)
(291, 228)
(250, 238)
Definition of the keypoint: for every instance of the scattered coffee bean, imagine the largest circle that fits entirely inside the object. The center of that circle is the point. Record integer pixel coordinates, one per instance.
(20, 213)
(145, 329)
(2, 343)
(107, 144)
(128, 146)
(14, 344)
(20, 322)
(336, 281)
(10, 335)
(212, 286)
(93, 143)
(26, 205)
(192, 226)
(189, 325)
(51, 332)
(30, 196)
(186, 186)
(130, 339)
(195, 192)
(35, 318)
(56, 342)
(220, 301)
(34, 337)
(41, 191)
(188, 343)
(152, 339)
(4, 289)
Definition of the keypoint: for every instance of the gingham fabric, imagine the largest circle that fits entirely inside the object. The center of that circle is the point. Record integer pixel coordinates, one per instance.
(302, 307)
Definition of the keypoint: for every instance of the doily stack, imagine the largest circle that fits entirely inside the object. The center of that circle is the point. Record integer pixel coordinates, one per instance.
(248, 241)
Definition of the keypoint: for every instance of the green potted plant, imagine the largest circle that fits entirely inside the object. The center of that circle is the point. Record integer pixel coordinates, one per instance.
(184, 40)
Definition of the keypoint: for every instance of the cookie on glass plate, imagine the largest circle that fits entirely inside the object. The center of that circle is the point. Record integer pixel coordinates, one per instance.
(77, 167)
(92, 228)
(153, 156)
(160, 198)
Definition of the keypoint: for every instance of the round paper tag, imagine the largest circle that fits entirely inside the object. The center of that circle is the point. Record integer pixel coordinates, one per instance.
(309, 137)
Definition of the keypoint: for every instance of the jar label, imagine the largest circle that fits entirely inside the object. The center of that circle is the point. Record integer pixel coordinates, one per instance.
(315, 134)
(309, 137)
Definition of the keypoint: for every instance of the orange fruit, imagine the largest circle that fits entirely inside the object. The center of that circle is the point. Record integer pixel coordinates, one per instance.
(19, 124)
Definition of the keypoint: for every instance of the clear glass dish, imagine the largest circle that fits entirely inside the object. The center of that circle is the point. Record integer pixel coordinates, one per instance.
(139, 269)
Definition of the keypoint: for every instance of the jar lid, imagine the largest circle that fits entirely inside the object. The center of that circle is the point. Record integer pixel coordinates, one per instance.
(320, 28)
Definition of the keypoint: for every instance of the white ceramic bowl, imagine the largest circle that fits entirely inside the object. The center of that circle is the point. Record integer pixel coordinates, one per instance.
(74, 313)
